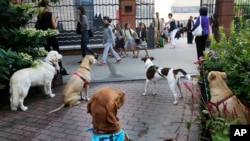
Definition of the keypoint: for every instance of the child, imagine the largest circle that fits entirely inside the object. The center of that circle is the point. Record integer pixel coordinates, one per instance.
(108, 40)
(119, 41)
(143, 37)
(129, 35)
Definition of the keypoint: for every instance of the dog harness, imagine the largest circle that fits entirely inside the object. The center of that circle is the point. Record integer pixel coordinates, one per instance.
(217, 104)
(83, 79)
(119, 136)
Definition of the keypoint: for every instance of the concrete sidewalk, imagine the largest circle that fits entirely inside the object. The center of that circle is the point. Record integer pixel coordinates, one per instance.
(183, 56)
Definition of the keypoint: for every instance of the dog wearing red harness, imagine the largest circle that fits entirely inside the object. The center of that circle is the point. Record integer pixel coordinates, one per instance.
(223, 102)
(78, 82)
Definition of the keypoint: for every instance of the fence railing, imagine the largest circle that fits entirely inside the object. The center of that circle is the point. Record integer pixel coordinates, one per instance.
(66, 11)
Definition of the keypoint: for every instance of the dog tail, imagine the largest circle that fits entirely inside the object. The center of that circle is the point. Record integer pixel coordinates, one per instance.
(14, 91)
(57, 109)
(176, 71)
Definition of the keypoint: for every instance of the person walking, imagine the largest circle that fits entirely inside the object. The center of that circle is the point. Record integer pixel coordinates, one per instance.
(157, 24)
(173, 29)
(48, 21)
(109, 41)
(201, 40)
(143, 39)
(129, 35)
(190, 25)
(83, 20)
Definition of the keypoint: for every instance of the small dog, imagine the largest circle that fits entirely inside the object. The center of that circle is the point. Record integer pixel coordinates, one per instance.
(72, 92)
(154, 73)
(103, 106)
(223, 102)
(22, 80)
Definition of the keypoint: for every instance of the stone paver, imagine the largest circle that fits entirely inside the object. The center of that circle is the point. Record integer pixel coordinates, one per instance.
(144, 118)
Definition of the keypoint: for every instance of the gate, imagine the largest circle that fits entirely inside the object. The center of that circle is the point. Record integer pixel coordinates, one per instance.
(66, 11)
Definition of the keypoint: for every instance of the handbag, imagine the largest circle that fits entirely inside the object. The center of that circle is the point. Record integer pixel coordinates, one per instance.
(38, 25)
(198, 30)
(78, 28)
(91, 34)
(57, 80)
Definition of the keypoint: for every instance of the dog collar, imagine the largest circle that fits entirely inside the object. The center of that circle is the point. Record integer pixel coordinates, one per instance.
(51, 63)
(85, 68)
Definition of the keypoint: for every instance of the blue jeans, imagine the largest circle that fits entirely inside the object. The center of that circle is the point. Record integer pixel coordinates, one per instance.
(84, 43)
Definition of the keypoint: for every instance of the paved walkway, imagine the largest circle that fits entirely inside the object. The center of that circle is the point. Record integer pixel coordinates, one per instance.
(145, 118)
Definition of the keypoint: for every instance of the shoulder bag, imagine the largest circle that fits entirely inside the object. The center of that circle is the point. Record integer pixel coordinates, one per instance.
(198, 30)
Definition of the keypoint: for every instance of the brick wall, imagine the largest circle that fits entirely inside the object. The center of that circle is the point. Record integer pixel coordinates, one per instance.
(128, 16)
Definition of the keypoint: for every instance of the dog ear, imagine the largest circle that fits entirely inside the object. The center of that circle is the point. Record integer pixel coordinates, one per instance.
(89, 105)
(120, 99)
(211, 75)
(152, 58)
(223, 75)
(111, 110)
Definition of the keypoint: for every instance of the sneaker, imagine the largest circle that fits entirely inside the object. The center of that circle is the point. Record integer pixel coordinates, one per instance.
(118, 61)
(123, 56)
(101, 63)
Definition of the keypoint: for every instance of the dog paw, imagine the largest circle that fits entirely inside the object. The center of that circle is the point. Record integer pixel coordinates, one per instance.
(14, 109)
(144, 94)
(175, 102)
(52, 95)
(85, 98)
(154, 94)
(24, 108)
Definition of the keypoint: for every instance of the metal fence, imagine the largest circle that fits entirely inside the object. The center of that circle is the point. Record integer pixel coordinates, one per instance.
(66, 11)
(242, 8)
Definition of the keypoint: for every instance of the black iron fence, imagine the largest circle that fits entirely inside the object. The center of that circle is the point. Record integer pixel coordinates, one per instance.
(242, 8)
(66, 13)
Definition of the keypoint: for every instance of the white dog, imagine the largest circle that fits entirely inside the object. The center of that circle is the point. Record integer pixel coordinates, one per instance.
(42, 75)
(154, 73)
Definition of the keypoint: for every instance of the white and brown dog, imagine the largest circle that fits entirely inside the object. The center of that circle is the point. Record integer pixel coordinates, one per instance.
(154, 73)
(223, 102)
(42, 75)
(79, 81)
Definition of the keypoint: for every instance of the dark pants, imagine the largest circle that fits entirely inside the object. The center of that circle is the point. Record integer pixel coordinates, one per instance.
(190, 37)
(52, 42)
(84, 43)
(200, 45)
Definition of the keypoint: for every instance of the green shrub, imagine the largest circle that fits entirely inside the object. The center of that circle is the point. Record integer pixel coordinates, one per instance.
(19, 46)
(233, 57)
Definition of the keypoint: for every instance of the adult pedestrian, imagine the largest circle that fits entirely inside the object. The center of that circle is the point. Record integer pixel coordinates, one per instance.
(201, 40)
(157, 24)
(109, 41)
(173, 29)
(190, 25)
(48, 21)
(83, 20)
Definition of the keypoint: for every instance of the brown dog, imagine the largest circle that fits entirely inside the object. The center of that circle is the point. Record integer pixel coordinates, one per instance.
(103, 106)
(72, 92)
(223, 103)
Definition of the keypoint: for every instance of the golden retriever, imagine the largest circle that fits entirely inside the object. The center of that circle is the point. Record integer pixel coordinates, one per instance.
(72, 92)
(103, 106)
(223, 102)
(42, 75)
